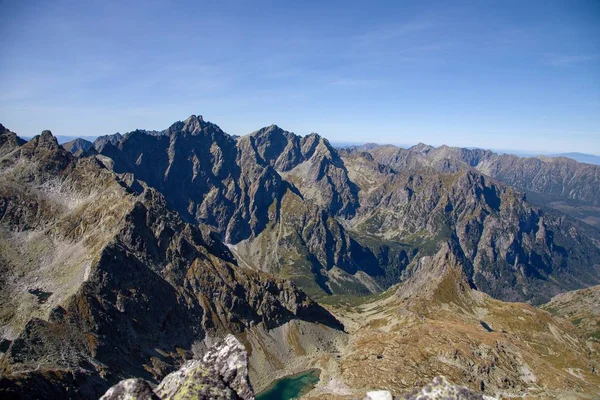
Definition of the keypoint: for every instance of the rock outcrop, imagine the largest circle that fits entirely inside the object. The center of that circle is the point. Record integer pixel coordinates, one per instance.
(8, 141)
(102, 141)
(221, 374)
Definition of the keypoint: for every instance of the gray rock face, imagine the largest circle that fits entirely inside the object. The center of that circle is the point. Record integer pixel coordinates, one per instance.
(131, 389)
(235, 186)
(102, 141)
(222, 374)
(202, 173)
(226, 183)
(324, 171)
(230, 360)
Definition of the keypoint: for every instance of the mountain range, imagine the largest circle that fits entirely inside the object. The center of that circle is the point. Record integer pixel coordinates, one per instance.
(581, 157)
(122, 257)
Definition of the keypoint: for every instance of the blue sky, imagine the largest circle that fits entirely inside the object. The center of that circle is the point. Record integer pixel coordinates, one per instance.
(521, 75)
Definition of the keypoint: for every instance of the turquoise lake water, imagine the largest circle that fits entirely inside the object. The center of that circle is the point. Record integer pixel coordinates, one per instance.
(291, 387)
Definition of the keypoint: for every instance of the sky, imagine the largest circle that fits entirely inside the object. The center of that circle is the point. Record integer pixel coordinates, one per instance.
(521, 75)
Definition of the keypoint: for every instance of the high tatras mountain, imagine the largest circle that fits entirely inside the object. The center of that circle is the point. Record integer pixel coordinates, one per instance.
(130, 258)
(354, 222)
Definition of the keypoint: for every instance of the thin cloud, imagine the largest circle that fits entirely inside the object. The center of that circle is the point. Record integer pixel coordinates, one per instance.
(559, 60)
(352, 82)
(392, 32)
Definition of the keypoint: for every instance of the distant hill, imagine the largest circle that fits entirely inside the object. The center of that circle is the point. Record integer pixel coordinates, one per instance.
(581, 157)
(64, 139)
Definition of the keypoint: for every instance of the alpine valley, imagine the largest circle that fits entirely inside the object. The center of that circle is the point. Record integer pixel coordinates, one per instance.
(176, 257)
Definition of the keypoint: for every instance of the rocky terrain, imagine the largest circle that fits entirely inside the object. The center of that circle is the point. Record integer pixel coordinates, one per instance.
(511, 247)
(222, 373)
(582, 309)
(132, 257)
(435, 324)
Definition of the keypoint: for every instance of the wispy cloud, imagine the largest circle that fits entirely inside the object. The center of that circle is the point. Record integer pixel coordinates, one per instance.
(559, 60)
(354, 82)
(386, 33)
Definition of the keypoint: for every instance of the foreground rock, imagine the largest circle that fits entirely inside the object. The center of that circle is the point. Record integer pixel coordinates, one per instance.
(222, 374)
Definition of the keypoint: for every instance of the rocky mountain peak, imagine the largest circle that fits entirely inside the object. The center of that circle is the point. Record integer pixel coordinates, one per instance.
(422, 148)
(45, 149)
(102, 141)
(309, 143)
(270, 132)
(276, 147)
(78, 146)
(193, 124)
(44, 140)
